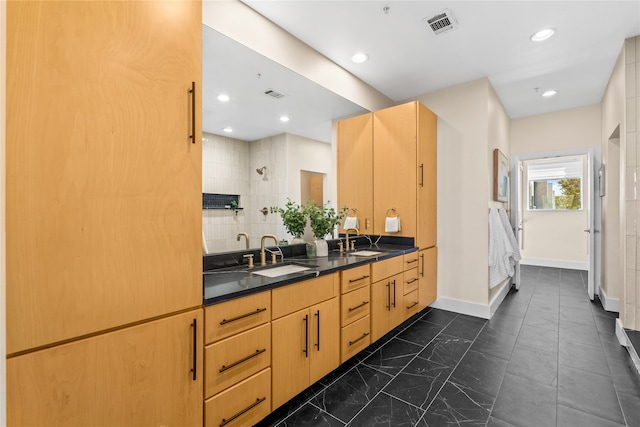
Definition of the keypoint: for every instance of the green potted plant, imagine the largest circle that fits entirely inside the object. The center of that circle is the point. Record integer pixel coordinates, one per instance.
(294, 219)
(323, 220)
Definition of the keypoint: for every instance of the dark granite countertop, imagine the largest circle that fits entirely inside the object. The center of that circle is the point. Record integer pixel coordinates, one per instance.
(223, 284)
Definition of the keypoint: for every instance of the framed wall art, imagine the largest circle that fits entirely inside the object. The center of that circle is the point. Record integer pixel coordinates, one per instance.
(500, 176)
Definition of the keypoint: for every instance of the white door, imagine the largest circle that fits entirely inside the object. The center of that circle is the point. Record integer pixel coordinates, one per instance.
(516, 211)
(591, 229)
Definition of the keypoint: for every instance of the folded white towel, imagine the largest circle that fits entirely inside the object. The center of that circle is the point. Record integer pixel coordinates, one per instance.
(351, 222)
(392, 224)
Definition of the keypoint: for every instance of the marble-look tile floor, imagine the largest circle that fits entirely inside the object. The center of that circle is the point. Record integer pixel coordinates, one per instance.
(548, 357)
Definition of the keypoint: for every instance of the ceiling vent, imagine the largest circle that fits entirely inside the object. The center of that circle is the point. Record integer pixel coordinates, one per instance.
(272, 93)
(442, 22)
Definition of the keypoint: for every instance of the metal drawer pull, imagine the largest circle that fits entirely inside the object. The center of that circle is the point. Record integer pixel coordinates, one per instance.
(192, 91)
(358, 306)
(358, 339)
(358, 279)
(412, 305)
(248, 408)
(244, 359)
(242, 316)
(194, 325)
(412, 260)
(411, 281)
(422, 269)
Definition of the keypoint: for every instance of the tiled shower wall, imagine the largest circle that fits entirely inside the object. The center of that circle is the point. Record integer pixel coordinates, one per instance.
(630, 307)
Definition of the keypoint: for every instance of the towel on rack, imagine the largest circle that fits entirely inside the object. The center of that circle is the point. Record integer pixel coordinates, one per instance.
(512, 237)
(351, 222)
(392, 224)
(500, 251)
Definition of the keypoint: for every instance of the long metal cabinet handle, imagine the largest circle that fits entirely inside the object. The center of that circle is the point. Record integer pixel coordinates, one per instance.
(192, 91)
(394, 293)
(412, 305)
(358, 306)
(306, 336)
(408, 282)
(194, 325)
(358, 279)
(242, 316)
(421, 174)
(358, 339)
(318, 321)
(422, 265)
(244, 359)
(248, 408)
(411, 261)
(388, 296)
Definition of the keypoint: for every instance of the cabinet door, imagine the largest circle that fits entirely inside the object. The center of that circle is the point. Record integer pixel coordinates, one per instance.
(355, 167)
(290, 352)
(428, 277)
(394, 167)
(396, 315)
(380, 308)
(103, 181)
(325, 339)
(132, 377)
(426, 236)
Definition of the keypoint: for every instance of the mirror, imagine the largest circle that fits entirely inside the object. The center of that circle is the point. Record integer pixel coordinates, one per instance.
(262, 160)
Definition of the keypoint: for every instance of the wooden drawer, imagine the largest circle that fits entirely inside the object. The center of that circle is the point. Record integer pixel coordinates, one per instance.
(410, 304)
(411, 280)
(228, 318)
(386, 268)
(355, 305)
(355, 278)
(242, 405)
(292, 298)
(410, 260)
(234, 359)
(355, 337)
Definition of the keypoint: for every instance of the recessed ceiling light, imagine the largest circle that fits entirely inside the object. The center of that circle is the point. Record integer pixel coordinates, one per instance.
(542, 34)
(550, 93)
(228, 129)
(359, 57)
(284, 119)
(223, 98)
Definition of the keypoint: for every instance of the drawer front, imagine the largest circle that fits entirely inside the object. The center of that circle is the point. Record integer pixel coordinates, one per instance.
(242, 405)
(355, 305)
(411, 280)
(228, 318)
(231, 360)
(292, 298)
(355, 337)
(386, 268)
(355, 278)
(410, 260)
(410, 304)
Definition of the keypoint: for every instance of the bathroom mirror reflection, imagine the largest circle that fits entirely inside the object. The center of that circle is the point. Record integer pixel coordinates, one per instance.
(259, 157)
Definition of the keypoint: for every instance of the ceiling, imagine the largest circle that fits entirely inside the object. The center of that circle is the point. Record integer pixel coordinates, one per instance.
(491, 40)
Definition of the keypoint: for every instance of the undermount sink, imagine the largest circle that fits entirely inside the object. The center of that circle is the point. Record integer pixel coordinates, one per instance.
(365, 253)
(281, 270)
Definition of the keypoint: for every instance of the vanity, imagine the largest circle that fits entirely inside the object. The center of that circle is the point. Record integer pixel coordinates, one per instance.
(268, 337)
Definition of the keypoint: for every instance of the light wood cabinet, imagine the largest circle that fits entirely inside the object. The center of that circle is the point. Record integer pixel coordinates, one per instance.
(428, 276)
(237, 315)
(142, 375)
(103, 184)
(355, 306)
(386, 305)
(306, 342)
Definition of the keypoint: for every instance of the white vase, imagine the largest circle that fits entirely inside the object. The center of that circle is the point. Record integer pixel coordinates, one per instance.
(297, 240)
(322, 248)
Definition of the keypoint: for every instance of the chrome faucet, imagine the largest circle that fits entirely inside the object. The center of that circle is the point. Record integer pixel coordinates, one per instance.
(347, 234)
(262, 254)
(246, 236)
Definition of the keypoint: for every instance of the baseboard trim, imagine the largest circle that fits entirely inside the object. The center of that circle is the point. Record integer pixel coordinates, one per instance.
(621, 334)
(499, 297)
(569, 265)
(609, 304)
(463, 307)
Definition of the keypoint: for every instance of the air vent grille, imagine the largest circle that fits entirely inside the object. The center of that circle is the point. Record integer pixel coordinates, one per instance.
(442, 22)
(272, 93)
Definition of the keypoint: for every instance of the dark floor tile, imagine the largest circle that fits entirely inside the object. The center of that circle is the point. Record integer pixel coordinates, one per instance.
(590, 393)
(347, 396)
(495, 422)
(630, 408)
(533, 364)
(586, 357)
(505, 323)
(538, 338)
(421, 332)
(445, 349)
(625, 376)
(441, 317)
(419, 382)
(579, 332)
(516, 309)
(480, 372)
(457, 405)
(393, 356)
(309, 415)
(549, 275)
(605, 324)
(523, 403)
(463, 326)
(613, 350)
(542, 319)
(572, 417)
(580, 315)
(386, 410)
(494, 343)
(546, 304)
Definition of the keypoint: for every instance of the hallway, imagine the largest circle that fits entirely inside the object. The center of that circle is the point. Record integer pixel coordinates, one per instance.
(549, 357)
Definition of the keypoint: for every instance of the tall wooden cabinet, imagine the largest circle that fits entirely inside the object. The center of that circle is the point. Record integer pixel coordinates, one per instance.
(103, 219)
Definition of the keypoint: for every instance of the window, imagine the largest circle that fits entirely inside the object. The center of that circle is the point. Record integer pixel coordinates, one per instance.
(555, 184)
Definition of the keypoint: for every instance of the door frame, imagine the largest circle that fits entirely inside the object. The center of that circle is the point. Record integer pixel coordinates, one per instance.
(594, 202)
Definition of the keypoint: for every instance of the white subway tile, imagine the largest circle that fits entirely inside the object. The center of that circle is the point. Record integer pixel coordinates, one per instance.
(631, 214)
(631, 115)
(630, 80)
(630, 252)
(631, 283)
(631, 183)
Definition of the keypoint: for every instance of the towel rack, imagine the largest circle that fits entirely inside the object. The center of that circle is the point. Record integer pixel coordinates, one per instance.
(355, 212)
(392, 210)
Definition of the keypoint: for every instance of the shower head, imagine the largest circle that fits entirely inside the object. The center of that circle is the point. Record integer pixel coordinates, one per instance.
(261, 170)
